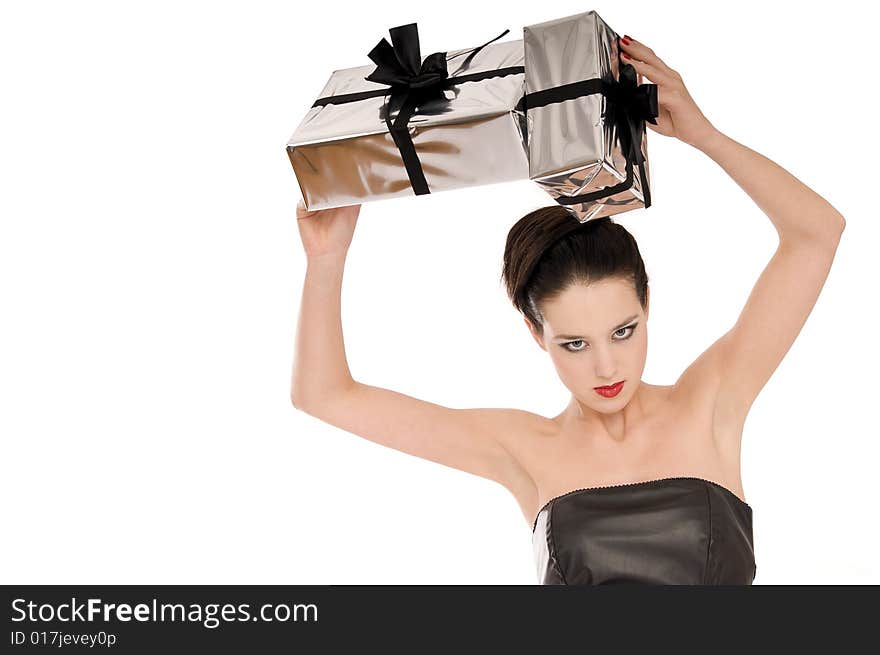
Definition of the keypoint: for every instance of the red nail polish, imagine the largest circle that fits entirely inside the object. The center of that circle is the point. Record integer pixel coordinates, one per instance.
(626, 56)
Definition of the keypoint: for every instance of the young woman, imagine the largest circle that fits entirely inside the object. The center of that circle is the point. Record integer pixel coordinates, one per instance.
(632, 482)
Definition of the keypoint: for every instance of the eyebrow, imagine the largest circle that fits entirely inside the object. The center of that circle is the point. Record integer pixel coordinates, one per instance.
(615, 328)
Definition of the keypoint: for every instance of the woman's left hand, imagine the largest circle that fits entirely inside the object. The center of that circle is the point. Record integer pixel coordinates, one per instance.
(678, 114)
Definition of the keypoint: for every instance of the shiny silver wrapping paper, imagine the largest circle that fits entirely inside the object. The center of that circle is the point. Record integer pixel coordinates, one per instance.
(343, 154)
(573, 149)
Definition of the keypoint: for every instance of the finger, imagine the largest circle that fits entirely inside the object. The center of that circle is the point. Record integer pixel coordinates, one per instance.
(656, 75)
(643, 53)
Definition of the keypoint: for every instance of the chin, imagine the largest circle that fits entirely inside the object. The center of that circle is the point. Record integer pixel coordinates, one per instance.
(611, 405)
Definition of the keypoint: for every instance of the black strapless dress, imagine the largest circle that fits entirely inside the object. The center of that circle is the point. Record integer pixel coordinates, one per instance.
(679, 531)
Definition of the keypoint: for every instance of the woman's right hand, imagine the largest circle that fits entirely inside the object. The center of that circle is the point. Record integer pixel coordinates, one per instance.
(326, 231)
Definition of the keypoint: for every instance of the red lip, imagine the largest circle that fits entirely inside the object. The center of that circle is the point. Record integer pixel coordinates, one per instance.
(611, 390)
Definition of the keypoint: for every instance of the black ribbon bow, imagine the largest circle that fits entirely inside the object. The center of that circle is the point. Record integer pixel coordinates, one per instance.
(629, 105)
(401, 65)
(411, 82)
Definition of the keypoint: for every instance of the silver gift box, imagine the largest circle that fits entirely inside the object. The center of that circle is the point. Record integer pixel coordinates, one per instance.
(585, 109)
(354, 145)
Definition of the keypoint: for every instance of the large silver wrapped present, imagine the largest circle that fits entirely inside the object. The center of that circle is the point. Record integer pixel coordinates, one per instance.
(407, 126)
(585, 115)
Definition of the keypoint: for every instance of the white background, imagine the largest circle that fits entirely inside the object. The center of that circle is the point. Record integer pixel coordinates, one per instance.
(152, 270)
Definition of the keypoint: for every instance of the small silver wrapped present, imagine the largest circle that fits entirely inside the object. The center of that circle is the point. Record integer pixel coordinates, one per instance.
(585, 115)
(411, 126)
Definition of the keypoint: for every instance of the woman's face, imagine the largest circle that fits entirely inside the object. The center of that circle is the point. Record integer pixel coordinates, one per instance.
(596, 335)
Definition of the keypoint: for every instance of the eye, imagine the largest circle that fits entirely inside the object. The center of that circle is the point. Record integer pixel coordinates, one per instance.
(568, 344)
(573, 350)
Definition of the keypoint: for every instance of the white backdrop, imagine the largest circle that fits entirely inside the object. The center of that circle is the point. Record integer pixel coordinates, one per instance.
(152, 270)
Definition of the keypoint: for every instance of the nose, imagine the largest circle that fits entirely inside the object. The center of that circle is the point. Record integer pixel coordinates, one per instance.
(606, 368)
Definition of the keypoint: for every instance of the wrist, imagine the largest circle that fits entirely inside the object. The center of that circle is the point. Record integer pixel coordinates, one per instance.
(326, 259)
(709, 140)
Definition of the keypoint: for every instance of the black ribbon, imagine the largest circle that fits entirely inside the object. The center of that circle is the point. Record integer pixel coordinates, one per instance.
(629, 105)
(412, 82)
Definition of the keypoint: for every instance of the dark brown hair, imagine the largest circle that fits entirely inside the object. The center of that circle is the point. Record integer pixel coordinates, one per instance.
(549, 248)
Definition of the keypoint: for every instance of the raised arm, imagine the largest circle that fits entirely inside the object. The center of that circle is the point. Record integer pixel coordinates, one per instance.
(470, 440)
(809, 229)
(737, 366)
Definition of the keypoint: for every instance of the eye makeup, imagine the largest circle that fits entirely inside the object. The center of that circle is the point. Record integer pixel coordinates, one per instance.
(631, 327)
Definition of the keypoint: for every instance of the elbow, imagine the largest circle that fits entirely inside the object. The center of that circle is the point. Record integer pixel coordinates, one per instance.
(833, 229)
(838, 234)
(834, 236)
(296, 401)
(313, 401)
(308, 405)
(302, 407)
(825, 235)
